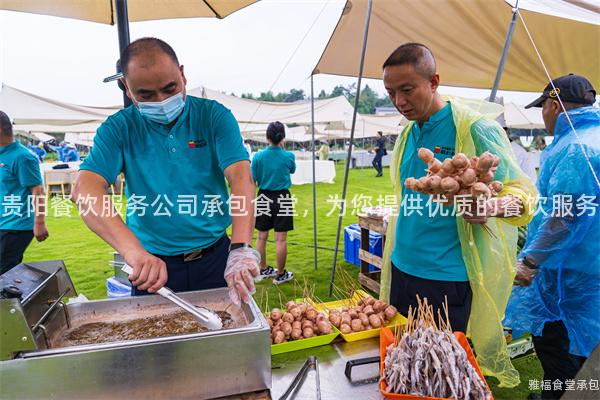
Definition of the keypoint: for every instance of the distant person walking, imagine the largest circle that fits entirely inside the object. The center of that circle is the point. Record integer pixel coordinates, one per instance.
(324, 151)
(379, 153)
(248, 147)
(271, 169)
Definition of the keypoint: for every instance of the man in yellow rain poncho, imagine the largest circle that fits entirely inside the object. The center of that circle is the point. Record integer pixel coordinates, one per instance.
(433, 252)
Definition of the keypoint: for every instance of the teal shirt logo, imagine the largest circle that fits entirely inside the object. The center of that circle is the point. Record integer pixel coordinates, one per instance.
(194, 144)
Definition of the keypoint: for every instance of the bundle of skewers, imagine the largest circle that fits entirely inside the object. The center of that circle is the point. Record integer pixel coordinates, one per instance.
(359, 311)
(296, 320)
(426, 359)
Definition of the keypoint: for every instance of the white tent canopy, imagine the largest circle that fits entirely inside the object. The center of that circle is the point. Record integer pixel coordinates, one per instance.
(27, 108)
(83, 139)
(519, 117)
(76, 128)
(295, 134)
(264, 112)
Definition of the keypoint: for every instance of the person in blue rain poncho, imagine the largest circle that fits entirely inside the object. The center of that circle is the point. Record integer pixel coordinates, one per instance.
(38, 151)
(66, 152)
(70, 153)
(558, 275)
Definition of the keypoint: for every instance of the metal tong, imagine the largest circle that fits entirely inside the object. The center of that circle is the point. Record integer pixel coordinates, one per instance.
(310, 363)
(205, 316)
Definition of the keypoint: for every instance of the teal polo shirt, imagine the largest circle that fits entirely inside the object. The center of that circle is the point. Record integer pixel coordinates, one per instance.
(271, 168)
(427, 245)
(177, 196)
(19, 171)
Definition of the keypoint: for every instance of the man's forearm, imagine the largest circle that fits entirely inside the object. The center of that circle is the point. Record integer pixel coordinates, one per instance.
(242, 225)
(39, 205)
(243, 191)
(551, 232)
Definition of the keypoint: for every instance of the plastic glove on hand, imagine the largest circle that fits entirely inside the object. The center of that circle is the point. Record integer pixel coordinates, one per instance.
(241, 271)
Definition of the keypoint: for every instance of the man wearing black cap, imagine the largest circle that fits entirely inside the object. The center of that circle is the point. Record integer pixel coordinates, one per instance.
(559, 266)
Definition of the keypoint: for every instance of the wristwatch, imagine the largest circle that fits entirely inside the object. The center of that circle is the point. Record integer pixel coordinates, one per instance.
(529, 264)
(233, 246)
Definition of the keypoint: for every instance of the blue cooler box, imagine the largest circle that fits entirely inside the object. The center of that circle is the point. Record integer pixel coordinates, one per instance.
(352, 245)
(116, 288)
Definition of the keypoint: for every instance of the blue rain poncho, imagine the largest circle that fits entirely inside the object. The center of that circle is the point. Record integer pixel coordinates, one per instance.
(566, 242)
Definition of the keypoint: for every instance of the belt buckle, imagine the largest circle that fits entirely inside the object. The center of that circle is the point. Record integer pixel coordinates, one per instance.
(194, 255)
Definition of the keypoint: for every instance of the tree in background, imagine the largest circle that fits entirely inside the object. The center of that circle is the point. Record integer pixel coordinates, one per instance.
(369, 99)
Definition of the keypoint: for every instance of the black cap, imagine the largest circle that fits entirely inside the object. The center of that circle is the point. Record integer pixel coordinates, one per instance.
(570, 88)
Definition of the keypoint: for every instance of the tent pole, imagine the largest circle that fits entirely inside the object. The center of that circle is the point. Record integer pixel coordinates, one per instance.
(509, 35)
(349, 156)
(314, 179)
(123, 30)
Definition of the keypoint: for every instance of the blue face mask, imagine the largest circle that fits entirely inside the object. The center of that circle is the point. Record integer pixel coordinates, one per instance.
(163, 112)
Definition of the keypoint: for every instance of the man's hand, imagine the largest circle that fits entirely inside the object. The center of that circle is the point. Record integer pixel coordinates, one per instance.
(524, 275)
(499, 207)
(149, 272)
(241, 270)
(40, 231)
(477, 215)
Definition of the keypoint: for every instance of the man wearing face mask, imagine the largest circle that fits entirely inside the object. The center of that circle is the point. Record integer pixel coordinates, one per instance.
(177, 153)
(435, 252)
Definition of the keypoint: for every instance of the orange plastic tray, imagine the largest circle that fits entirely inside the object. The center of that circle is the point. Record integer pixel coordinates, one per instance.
(386, 337)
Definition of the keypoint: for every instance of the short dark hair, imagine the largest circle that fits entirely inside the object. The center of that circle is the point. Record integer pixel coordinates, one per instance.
(416, 54)
(145, 45)
(276, 132)
(5, 125)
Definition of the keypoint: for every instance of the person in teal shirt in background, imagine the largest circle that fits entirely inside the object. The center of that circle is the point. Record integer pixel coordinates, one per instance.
(177, 154)
(271, 169)
(21, 188)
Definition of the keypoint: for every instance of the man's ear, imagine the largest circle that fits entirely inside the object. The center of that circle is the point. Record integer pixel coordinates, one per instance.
(125, 88)
(556, 107)
(435, 82)
(183, 75)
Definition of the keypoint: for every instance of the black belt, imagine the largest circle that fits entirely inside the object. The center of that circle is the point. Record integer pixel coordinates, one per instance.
(197, 254)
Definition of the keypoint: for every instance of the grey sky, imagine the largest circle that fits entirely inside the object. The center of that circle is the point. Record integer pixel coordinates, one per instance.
(245, 52)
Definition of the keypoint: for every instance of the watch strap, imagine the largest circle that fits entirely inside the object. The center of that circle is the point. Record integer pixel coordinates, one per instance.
(233, 246)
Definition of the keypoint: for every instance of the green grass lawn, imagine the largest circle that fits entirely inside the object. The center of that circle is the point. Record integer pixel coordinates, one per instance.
(87, 256)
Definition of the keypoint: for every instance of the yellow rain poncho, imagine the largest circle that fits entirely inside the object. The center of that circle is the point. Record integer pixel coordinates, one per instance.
(490, 261)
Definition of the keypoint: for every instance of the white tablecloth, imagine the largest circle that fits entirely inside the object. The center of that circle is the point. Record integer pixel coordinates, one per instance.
(324, 172)
(365, 159)
(74, 165)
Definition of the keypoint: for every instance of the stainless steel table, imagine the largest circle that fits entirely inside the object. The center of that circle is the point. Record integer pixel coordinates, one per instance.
(332, 363)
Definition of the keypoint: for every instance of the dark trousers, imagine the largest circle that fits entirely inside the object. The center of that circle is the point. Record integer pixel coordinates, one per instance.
(12, 246)
(203, 273)
(377, 163)
(552, 348)
(405, 288)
